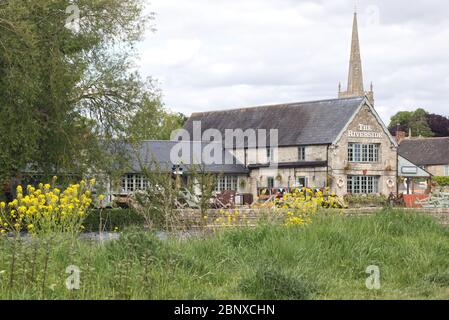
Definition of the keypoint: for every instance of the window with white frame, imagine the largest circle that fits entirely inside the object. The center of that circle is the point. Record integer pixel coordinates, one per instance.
(133, 182)
(301, 153)
(363, 184)
(359, 152)
(301, 182)
(270, 182)
(227, 183)
(269, 155)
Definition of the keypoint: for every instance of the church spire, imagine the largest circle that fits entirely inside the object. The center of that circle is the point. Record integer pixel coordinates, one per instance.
(355, 77)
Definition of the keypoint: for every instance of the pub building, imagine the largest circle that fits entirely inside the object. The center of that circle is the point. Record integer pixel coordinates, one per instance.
(341, 144)
(338, 143)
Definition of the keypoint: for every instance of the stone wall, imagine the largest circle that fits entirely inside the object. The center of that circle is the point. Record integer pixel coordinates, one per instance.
(386, 167)
(364, 128)
(250, 217)
(437, 170)
(285, 154)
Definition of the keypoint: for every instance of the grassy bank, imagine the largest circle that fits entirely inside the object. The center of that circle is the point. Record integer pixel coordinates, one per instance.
(326, 260)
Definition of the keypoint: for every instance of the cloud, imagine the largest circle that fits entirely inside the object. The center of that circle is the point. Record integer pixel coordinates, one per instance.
(229, 53)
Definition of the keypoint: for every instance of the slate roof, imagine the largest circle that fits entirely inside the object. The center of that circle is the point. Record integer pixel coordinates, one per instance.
(149, 152)
(302, 123)
(425, 151)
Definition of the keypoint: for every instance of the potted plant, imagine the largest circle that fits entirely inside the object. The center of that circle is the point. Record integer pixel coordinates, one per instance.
(348, 167)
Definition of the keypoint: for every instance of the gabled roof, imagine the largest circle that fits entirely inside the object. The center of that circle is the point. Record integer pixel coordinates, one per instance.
(408, 169)
(146, 153)
(302, 123)
(426, 151)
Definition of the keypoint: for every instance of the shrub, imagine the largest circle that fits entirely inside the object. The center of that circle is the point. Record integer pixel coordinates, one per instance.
(302, 205)
(441, 181)
(46, 209)
(367, 200)
(112, 219)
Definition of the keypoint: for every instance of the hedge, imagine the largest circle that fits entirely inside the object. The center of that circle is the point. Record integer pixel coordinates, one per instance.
(368, 200)
(442, 181)
(112, 219)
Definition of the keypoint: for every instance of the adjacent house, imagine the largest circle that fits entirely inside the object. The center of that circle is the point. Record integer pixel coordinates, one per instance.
(431, 154)
(157, 155)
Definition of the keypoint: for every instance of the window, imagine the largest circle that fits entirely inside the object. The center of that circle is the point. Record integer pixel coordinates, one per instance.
(130, 183)
(227, 183)
(358, 152)
(133, 182)
(139, 182)
(269, 154)
(246, 157)
(124, 184)
(301, 153)
(446, 170)
(270, 182)
(363, 184)
(302, 182)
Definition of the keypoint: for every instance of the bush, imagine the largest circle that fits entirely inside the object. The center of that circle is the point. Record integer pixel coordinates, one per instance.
(112, 219)
(46, 209)
(441, 181)
(366, 200)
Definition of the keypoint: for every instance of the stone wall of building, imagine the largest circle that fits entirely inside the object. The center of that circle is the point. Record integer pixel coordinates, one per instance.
(438, 170)
(365, 128)
(285, 178)
(285, 154)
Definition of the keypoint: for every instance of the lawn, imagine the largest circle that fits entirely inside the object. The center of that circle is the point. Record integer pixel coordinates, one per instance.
(325, 260)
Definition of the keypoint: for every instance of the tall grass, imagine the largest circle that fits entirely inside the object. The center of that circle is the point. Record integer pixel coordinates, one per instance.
(326, 260)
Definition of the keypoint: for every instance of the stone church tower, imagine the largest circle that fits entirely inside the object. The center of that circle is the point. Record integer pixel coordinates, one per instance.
(355, 77)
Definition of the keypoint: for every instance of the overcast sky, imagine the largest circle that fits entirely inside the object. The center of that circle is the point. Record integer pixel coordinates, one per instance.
(224, 54)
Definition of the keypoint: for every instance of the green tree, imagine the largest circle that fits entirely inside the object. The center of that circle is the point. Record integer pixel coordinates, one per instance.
(153, 121)
(416, 121)
(64, 93)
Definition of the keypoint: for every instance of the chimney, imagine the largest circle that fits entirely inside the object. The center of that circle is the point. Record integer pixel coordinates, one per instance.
(400, 135)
